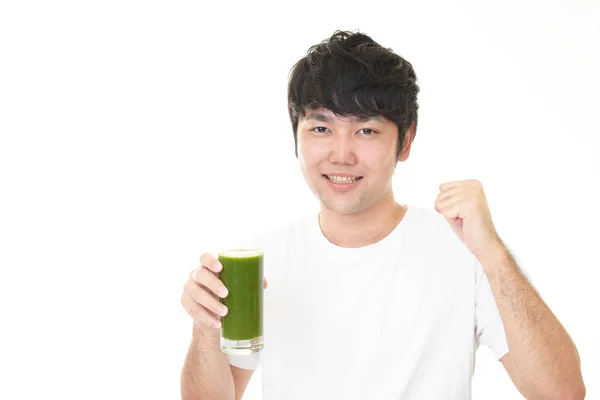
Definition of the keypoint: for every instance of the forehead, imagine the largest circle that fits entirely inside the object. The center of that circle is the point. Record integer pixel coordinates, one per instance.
(324, 115)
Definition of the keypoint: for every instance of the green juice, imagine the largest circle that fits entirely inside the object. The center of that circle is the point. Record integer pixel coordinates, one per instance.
(242, 275)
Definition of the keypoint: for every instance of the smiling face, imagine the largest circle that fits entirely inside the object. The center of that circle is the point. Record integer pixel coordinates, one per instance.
(348, 162)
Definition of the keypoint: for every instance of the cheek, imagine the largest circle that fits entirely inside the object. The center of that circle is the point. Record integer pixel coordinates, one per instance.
(311, 152)
(379, 157)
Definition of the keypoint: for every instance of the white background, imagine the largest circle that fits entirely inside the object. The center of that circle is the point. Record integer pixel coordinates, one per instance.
(133, 133)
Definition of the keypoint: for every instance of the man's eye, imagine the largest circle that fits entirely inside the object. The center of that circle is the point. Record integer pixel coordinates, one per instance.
(365, 131)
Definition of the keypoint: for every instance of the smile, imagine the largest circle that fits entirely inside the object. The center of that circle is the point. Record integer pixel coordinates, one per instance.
(343, 179)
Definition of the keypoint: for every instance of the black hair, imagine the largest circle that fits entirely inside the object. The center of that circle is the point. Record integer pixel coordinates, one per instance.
(352, 75)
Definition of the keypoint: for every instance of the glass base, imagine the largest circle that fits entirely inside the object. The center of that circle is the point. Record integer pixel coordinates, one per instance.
(242, 347)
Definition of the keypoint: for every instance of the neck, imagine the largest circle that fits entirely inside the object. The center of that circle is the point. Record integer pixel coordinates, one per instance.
(362, 228)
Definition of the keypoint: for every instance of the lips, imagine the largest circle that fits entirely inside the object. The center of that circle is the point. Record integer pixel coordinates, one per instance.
(341, 181)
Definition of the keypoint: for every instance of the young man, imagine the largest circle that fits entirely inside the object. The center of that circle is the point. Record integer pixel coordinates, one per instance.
(371, 299)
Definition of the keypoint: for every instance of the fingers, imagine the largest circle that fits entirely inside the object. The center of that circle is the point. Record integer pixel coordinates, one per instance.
(208, 279)
(198, 312)
(211, 262)
(266, 283)
(207, 300)
(202, 291)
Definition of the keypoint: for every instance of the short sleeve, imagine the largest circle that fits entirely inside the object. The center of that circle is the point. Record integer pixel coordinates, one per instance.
(251, 361)
(489, 329)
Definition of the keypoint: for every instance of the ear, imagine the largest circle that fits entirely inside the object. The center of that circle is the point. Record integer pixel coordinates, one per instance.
(408, 139)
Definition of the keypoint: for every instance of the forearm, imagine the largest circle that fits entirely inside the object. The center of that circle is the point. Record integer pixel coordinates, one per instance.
(544, 356)
(206, 372)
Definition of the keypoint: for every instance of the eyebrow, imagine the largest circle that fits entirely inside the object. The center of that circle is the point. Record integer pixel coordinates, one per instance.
(316, 116)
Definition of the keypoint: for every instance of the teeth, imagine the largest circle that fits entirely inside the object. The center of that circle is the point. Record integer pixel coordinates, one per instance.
(341, 179)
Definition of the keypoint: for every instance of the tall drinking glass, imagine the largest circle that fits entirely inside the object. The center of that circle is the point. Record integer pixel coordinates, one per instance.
(242, 275)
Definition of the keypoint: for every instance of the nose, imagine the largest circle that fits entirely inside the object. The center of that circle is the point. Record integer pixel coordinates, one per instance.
(342, 150)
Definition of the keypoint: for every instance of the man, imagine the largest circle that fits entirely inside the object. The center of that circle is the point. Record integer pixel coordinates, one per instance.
(371, 299)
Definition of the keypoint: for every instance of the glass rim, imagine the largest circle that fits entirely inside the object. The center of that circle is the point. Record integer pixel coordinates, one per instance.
(241, 251)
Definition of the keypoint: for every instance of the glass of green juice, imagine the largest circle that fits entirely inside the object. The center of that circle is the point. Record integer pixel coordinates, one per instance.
(242, 275)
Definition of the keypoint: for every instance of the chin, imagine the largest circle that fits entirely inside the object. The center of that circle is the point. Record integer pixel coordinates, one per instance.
(342, 208)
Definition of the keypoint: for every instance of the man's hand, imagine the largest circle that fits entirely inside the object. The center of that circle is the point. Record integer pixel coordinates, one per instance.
(465, 207)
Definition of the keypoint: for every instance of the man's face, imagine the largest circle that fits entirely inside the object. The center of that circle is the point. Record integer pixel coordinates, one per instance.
(348, 163)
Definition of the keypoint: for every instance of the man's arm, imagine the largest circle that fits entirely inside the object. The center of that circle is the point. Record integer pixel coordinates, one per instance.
(206, 372)
(545, 360)
(542, 361)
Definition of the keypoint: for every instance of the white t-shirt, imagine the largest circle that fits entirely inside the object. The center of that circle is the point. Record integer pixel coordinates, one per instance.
(398, 319)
